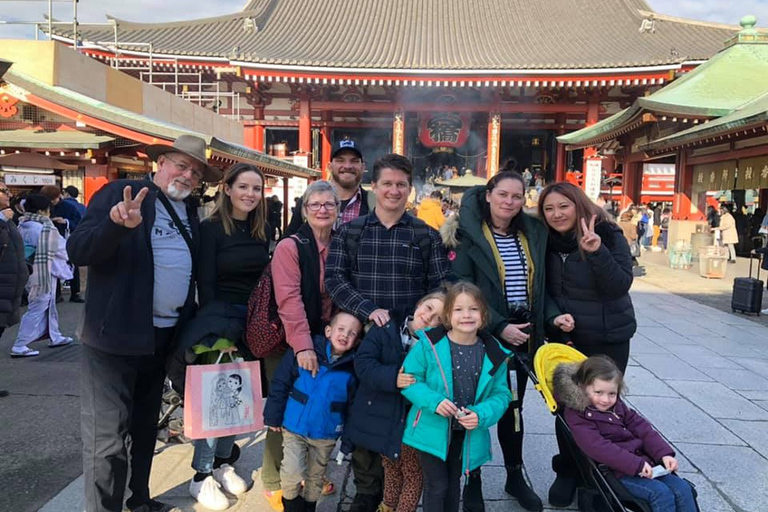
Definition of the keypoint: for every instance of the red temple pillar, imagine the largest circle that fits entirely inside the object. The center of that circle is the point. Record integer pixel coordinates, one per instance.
(494, 143)
(593, 113)
(682, 201)
(560, 156)
(305, 126)
(631, 184)
(254, 137)
(398, 132)
(326, 148)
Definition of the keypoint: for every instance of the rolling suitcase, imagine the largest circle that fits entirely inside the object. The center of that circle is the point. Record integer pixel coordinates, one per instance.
(748, 292)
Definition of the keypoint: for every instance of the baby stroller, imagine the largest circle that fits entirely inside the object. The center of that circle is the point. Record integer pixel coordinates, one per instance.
(600, 490)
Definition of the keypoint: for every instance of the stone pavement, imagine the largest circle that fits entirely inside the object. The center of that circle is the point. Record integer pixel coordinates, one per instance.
(699, 374)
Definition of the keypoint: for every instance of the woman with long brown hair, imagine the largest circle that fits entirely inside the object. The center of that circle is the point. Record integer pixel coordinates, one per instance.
(589, 274)
(234, 250)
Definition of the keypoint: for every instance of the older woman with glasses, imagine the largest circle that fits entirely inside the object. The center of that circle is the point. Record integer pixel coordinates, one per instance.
(298, 270)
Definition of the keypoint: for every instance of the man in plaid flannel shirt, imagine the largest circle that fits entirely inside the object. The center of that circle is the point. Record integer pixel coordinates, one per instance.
(388, 274)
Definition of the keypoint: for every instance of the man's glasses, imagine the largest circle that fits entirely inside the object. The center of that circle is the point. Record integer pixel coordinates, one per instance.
(315, 207)
(183, 168)
(5, 191)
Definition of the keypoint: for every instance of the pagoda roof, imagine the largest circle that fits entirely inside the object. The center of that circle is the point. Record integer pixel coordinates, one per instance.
(729, 82)
(431, 36)
(750, 115)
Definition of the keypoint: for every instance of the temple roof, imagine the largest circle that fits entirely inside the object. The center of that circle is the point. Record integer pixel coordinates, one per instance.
(726, 85)
(750, 115)
(429, 35)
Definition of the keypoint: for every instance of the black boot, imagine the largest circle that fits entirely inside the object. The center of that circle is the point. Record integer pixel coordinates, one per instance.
(518, 487)
(563, 490)
(473, 493)
(310, 506)
(365, 503)
(295, 505)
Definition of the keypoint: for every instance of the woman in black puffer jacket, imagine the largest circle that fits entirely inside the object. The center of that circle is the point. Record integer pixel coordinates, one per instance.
(589, 274)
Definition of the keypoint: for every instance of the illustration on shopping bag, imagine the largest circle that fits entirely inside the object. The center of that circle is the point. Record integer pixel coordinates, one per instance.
(229, 404)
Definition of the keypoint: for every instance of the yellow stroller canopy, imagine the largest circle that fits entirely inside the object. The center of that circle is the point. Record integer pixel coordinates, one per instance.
(547, 358)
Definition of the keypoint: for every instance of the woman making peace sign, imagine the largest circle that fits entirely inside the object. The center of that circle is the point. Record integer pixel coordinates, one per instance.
(589, 273)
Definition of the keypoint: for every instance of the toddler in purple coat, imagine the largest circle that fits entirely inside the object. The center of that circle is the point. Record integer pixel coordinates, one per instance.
(611, 433)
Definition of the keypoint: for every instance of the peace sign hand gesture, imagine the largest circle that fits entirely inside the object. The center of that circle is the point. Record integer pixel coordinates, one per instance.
(590, 241)
(127, 213)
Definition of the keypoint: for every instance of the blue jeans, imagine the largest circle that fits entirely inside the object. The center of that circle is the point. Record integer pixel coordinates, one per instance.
(668, 493)
(207, 449)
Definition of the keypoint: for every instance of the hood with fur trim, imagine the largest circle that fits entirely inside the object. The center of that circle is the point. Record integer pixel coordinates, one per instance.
(449, 232)
(567, 391)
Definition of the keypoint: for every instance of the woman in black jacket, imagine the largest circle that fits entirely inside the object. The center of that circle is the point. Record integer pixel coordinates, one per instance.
(234, 250)
(589, 274)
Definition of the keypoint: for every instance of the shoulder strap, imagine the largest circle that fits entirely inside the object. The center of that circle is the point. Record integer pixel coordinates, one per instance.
(424, 241)
(352, 242)
(177, 221)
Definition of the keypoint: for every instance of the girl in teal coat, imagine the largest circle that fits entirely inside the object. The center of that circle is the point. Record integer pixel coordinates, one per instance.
(501, 249)
(460, 391)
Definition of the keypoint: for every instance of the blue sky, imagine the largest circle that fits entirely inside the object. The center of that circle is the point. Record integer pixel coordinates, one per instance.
(168, 10)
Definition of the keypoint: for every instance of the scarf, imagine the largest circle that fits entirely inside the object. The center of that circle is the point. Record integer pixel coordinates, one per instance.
(47, 246)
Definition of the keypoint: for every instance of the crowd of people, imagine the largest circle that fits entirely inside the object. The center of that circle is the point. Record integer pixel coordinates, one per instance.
(398, 337)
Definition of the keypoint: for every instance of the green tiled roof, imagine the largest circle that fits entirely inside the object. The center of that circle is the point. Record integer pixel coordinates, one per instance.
(156, 128)
(752, 114)
(605, 130)
(726, 82)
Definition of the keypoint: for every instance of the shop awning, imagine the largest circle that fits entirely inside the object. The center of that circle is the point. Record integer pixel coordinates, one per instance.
(33, 161)
(61, 139)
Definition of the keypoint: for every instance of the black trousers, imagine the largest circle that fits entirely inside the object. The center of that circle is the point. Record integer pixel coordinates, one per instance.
(510, 428)
(120, 398)
(368, 471)
(442, 479)
(74, 283)
(566, 464)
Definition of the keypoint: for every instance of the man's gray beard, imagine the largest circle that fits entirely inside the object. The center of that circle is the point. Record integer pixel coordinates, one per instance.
(176, 194)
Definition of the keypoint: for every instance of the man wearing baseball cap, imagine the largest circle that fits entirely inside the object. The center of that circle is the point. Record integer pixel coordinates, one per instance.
(138, 240)
(347, 167)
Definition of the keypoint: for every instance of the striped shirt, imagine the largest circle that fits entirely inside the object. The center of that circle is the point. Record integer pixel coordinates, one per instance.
(515, 267)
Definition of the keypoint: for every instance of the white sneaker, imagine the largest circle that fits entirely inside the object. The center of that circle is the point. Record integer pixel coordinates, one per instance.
(229, 480)
(24, 352)
(62, 342)
(208, 494)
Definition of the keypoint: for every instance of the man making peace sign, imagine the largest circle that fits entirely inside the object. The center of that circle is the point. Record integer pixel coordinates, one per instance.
(138, 241)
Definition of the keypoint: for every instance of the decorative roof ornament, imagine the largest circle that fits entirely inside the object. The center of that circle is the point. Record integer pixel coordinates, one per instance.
(648, 26)
(249, 26)
(748, 34)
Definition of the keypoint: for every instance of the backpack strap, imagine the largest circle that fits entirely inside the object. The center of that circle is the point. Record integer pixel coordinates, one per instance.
(352, 241)
(424, 241)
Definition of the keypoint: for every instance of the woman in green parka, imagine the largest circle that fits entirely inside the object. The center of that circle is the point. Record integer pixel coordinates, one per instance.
(502, 250)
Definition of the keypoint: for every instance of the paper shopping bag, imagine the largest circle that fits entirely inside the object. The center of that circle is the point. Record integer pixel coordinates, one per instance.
(223, 400)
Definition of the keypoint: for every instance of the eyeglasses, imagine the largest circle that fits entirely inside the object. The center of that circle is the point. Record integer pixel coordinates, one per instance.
(5, 191)
(183, 168)
(315, 207)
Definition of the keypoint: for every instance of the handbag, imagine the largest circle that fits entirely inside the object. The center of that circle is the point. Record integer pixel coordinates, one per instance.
(223, 399)
(264, 331)
(634, 249)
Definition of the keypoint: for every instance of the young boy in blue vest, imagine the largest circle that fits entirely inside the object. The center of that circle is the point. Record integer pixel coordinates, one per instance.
(310, 409)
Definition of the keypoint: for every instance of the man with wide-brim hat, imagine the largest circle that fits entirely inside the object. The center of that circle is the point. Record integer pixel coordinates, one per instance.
(139, 242)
